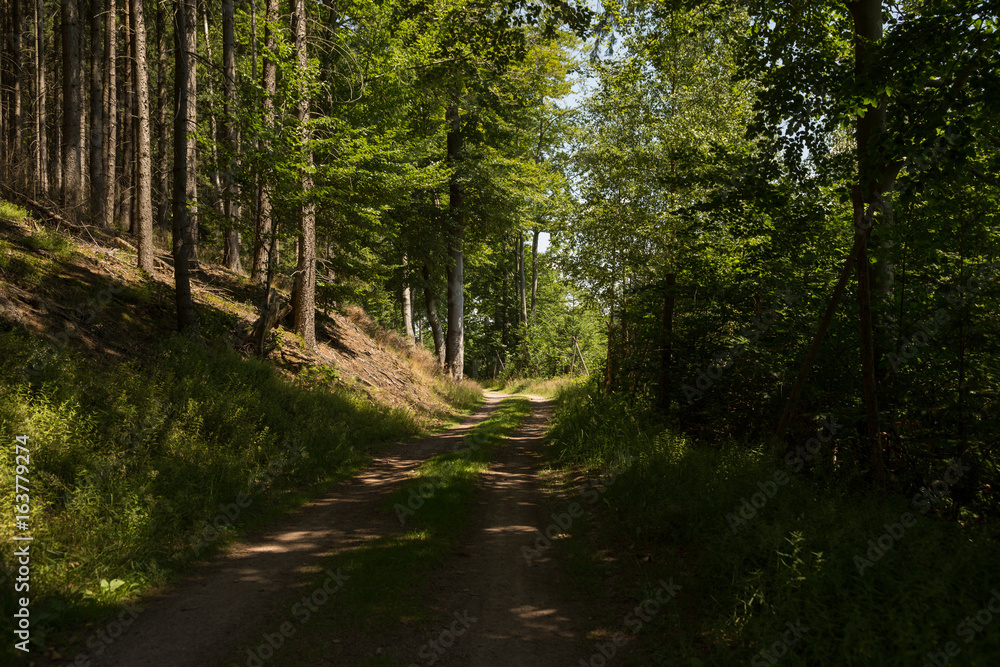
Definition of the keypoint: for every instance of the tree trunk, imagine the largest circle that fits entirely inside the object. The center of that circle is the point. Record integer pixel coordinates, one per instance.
(110, 118)
(875, 176)
(521, 287)
(143, 171)
(455, 344)
(126, 193)
(41, 115)
(191, 170)
(71, 144)
(534, 273)
(432, 317)
(213, 129)
(14, 111)
(305, 275)
(55, 155)
(268, 80)
(182, 71)
(407, 294)
(163, 198)
(230, 207)
(96, 109)
(666, 342)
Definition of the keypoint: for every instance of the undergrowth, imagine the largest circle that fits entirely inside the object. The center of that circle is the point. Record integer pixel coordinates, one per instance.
(876, 578)
(131, 462)
(385, 578)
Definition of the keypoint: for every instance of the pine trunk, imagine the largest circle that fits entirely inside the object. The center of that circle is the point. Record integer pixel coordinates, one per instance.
(143, 171)
(72, 187)
(455, 342)
(182, 71)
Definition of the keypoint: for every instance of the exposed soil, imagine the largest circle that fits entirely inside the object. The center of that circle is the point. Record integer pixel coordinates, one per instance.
(97, 296)
(512, 611)
(230, 600)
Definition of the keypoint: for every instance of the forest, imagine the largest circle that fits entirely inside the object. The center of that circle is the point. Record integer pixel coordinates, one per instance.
(725, 273)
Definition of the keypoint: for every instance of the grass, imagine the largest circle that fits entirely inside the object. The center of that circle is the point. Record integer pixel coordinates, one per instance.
(675, 510)
(384, 586)
(12, 212)
(129, 461)
(547, 387)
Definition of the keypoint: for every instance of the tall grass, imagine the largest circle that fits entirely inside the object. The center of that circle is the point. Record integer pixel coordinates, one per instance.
(794, 560)
(129, 461)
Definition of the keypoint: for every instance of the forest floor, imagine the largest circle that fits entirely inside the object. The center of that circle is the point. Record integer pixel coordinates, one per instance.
(486, 606)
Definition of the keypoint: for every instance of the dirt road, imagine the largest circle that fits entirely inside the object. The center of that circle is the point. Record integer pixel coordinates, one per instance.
(509, 612)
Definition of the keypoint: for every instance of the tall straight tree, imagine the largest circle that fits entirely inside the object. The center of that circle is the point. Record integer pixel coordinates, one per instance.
(454, 357)
(305, 274)
(183, 66)
(262, 224)
(41, 117)
(15, 71)
(126, 191)
(72, 185)
(231, 256)
(143, 167)
(107, 218)
(96, 108)
(163, 198)
(191, 155)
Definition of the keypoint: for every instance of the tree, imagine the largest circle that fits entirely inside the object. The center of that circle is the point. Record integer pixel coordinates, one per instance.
(96, 108)
(184, 60)
(231, 234)
(72, 183)
(144, 175)
(262, 238)
(305, 275)
(110, 117)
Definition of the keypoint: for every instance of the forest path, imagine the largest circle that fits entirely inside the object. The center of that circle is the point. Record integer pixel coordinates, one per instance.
(491, 607)
(521, 616)
(228, 601)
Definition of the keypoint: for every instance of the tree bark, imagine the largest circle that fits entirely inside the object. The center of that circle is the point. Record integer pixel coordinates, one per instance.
(521, 286)
(263, 213)
(191, 170)
(432, 317)
(534, 273)
(143, 171)
(875, 176)
(183, 63)
(41, 116)
(71, 145)
(163, 198)
(55, 155)
(455, 342)
(96, 109)
(213, 127)
(231, 210)
(15, 73)
(110, 118)
(126, 192)
(305, 275)
(407, 298)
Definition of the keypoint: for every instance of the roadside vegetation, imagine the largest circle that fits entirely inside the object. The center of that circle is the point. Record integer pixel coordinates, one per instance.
(387, 577)
(877, 578)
